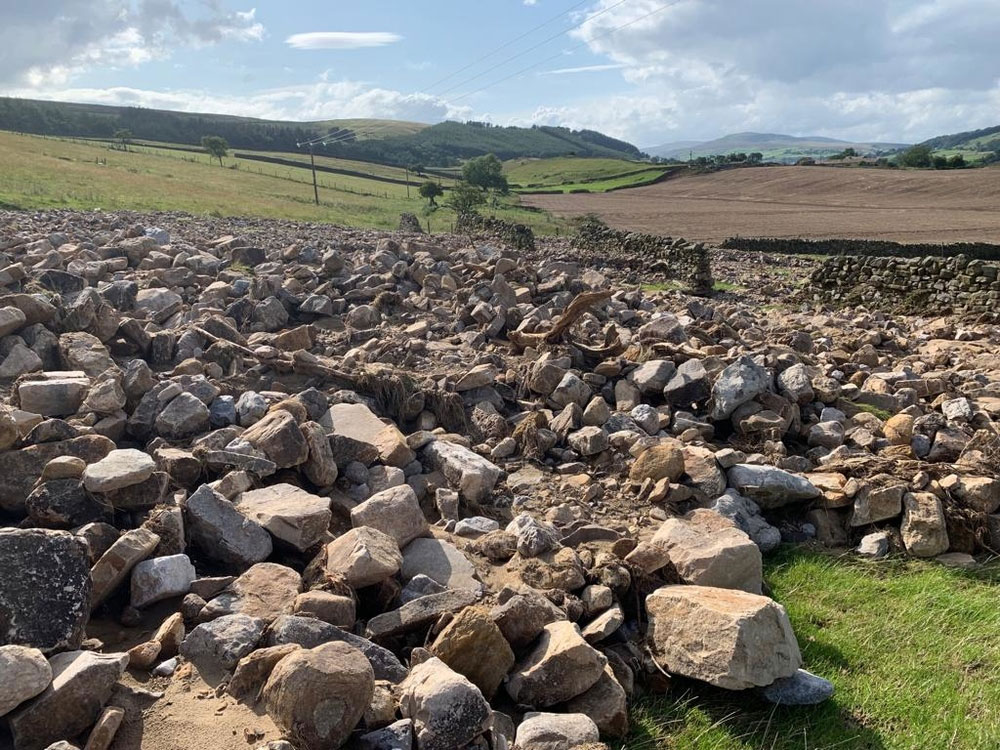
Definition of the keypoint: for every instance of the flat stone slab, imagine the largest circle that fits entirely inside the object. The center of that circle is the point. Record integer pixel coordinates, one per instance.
(118, 469)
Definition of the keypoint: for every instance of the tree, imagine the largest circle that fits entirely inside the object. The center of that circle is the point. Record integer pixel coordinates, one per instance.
(124, 137)
(755, 158)
(215, 146)
(940, 162)
(431, 191)
(916, 156)
(417, 168)
(956, 162)
(466, 198)
(486, 173)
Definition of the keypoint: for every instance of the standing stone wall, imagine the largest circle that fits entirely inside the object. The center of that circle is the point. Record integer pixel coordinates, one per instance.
(869, 248)
(650, 254)
(930, 285)
(516, 235)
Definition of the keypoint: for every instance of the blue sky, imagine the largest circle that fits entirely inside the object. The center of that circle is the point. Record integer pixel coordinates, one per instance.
(651, 71)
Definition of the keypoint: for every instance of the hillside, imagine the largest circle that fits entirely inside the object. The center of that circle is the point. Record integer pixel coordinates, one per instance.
(986, 139)
(384, 141)
(774, 146)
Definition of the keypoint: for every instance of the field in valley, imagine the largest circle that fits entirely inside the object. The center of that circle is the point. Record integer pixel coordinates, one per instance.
(899, 205)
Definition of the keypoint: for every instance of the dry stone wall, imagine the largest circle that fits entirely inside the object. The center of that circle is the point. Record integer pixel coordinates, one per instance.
(516, 235)
(653, 254)
(929, 284)
(869, 248)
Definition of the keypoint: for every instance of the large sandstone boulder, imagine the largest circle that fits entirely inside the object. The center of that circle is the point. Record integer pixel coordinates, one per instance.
(21, 468)
(357, 423)
(770, 486)
(224, 534)
(708, 549)
(363, 556)
(473, 646)
(265, 590)
(317, 696)
(561, 666)
(395, 511)
(292, 515)
(742, 381)
(542, 731)
(471, 474)
(751, 642)
(665, 460)
(279, 437)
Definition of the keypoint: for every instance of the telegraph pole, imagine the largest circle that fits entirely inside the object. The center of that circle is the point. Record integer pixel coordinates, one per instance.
(312, 162)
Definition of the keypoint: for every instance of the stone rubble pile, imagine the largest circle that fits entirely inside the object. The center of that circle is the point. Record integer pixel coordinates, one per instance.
(407, 492)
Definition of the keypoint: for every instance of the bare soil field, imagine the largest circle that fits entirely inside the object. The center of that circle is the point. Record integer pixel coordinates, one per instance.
(813, 202)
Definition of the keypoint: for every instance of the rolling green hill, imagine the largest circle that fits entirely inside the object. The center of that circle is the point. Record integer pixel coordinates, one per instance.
(578, 174)
(987, 139)
(384, 141)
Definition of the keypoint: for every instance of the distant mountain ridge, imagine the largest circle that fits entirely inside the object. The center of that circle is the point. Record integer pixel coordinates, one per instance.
(985, 139)
(774, 146)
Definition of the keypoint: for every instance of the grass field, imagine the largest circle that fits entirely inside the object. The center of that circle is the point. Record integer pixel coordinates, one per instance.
(564, 174)
(911, 647)
(40, 172)
(813, 202)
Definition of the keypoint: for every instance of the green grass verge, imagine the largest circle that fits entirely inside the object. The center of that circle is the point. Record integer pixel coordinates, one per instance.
(41, 173)
(911, 647)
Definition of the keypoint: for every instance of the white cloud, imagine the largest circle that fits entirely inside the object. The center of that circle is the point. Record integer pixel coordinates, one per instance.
(45, 42)
(323, 100)
(867, 69)
(342, 39)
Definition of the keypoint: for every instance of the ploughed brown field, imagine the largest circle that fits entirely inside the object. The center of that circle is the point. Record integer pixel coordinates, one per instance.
(904, 206)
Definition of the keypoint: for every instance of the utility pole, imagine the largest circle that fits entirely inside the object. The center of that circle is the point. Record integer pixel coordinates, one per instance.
(407, 183)
(312, 161)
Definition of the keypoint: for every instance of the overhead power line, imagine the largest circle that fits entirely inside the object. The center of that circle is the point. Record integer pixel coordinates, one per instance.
(561, 53)
(504, 46)
(531, 49)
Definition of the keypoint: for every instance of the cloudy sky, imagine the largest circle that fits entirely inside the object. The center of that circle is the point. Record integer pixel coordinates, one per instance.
(651, 71)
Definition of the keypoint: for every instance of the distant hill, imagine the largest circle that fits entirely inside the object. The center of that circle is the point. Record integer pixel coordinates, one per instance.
(385, 141)
(987, 139)
(669, 148)
(775, 146)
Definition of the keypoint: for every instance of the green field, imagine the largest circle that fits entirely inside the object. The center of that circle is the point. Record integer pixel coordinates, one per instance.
(53, 173)
(911, 647)
(565, 174)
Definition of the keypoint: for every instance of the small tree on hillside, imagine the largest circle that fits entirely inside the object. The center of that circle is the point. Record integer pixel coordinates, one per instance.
(215, 146)
(431, 191)
(124, 137)
(466, 198)
(486, 173)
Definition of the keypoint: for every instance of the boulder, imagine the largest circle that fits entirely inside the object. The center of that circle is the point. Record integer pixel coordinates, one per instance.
(358, 423)
(395, 511)
(473, 646)
(801, 689)
(82, 682)
(45, 589)
(752, 643)
(447, 710)
(363, 556)
(161, 578)
(605, 703)
(292, 515)
(742, 381)
(471, 474)
(561, 666)
(708, 549)
(120, 468)
(924, 531)
(25, 672)
(317, 696)
(57, 394)
(21, 468)
(184, 417)
(217, 646)
(264, 591)
(664, 460)
(279, 437)
(440, 561)
(770, 486)
(542, 731)
(222, 533)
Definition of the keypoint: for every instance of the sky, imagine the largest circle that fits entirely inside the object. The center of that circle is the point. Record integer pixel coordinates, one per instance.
(649, 71)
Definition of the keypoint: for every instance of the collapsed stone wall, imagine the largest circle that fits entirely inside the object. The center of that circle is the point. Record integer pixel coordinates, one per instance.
(930, 284)
(871, 248)
(653, 254)
(508, 232)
